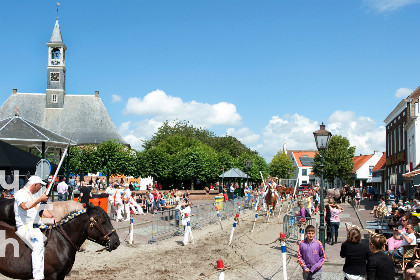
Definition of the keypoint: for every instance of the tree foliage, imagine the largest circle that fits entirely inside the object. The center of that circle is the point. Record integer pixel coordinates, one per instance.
(338, 160)
(281, 166)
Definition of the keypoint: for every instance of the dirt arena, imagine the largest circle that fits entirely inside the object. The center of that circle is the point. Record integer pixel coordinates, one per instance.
(169, 259)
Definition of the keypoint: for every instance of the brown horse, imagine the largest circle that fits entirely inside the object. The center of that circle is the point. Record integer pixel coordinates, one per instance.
(283, 190)
(63, 243)
(271, 199)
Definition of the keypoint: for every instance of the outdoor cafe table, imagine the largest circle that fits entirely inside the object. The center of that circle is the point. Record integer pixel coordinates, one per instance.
(377, 227)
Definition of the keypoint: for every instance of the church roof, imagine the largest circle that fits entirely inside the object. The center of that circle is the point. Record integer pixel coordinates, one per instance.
(83, 118)
(16, 130)
(56, 34)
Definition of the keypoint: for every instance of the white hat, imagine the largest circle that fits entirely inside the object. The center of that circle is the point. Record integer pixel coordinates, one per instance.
(35, 180)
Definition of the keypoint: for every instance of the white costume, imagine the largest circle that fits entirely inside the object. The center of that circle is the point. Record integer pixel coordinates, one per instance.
(135, 206)
(32, 236)
(111, 191)
(118, 203)
(186, 214)
(126, 197)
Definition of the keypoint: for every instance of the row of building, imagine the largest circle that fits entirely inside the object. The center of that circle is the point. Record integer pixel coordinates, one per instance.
(398, 168)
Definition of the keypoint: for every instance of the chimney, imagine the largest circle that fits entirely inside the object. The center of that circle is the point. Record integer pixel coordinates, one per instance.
(14, 90)
(96, 93)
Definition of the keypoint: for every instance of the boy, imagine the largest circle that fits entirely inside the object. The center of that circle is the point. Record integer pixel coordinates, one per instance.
(311, 255)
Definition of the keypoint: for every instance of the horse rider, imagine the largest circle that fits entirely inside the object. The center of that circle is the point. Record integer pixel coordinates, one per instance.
(28, 220)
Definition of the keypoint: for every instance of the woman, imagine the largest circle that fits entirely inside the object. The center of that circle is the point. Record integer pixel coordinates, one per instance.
(328, 219)
(356, 255)
(380, 266)
(395, 242)
(335, 221)
(357, 198)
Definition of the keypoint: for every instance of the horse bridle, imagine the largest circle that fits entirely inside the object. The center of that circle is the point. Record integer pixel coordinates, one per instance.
(105, 237)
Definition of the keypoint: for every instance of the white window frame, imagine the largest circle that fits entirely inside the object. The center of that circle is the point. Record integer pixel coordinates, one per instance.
(54, 98)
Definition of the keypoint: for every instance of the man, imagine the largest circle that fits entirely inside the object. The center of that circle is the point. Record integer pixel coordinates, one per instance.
(126, 198)
(110, 191)
(118, 203)
(72, 186)
(390, 199)
(62, 189)
(85, 194)
(408, 238)
(26, 215)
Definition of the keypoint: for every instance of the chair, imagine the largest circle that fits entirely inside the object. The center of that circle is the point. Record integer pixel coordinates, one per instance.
(409, 253)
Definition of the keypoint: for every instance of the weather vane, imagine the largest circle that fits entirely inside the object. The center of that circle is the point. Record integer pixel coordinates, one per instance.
(58, 4)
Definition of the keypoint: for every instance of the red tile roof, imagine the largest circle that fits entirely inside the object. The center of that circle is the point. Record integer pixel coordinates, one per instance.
(359, 161)
(381, 163)
(411, 174)
(299, 154)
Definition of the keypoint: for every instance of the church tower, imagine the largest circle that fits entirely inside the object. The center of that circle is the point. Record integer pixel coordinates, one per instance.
(56, 69)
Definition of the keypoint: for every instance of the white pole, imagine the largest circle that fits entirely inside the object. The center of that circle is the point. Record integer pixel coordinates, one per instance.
(281, 207)
(231, 234)
(56, 171)
(220, 269)
(220, 218)
(283, 250)
(256, 216)
(131, 230)
(190, 232)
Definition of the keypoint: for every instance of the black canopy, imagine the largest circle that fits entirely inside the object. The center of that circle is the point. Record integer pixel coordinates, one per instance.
(13, 158)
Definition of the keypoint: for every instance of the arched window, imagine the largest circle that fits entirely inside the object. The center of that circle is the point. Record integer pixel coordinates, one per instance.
(55, 56)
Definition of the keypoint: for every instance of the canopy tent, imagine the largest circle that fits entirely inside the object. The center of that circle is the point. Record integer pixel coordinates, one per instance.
(13, 158)
(234, 173)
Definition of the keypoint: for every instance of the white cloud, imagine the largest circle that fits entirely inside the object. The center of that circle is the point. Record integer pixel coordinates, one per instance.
(294, 130)
(297, 132)
(164, 107)
(245, 135)
(403, 92)
(385, 6)
(135, 134)
(362, 132)
(116, 98)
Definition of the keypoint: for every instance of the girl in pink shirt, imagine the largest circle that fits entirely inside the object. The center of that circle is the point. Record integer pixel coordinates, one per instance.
(335, 221)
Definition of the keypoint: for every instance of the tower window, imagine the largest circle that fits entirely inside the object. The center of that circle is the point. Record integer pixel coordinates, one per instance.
(54, 98)
(55, 56)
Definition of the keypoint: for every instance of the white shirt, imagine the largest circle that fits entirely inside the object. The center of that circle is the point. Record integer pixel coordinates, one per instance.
(132, 201)
(24, 217)
(412, 236)
(127, 194)
(62, 187)
(118, 195)
(188, 211)
(110, 191)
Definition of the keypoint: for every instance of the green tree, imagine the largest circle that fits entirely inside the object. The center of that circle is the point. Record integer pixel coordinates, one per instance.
(338, 160)
(156, 162)
(112, 158)
(83, 159)
(281, 166)
(196, 163)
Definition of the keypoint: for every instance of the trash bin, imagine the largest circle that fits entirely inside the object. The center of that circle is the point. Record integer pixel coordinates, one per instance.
(218, 201)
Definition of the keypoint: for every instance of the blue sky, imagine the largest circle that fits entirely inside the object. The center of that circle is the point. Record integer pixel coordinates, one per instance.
(266, 72)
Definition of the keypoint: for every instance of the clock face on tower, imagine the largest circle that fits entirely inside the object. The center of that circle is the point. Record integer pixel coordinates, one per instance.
(55, 77)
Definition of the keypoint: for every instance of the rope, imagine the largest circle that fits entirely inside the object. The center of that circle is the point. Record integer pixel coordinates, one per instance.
(237, 264)
(261, 243)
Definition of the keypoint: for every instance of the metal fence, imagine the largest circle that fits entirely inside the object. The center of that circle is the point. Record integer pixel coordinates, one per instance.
(292, 225)
(167, 223)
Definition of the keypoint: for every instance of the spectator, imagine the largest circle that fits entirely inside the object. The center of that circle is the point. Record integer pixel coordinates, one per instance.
(380, 266)
(186, 196)
(72, 186)
(395, 242)
(302, 211)
(311, 255)
(328, 219)
(356, 255)
(408, 238)
(85, 194)
(62, 189)
(335, 221)
(150, 202)
(413, 272)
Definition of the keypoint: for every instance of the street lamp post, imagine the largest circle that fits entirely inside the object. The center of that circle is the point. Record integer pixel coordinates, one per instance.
(248, 166)
(322, 137)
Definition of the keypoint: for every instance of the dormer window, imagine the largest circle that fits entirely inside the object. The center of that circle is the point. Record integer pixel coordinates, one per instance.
(54, 98)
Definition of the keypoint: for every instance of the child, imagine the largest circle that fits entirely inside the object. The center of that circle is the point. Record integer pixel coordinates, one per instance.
(311, 255)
